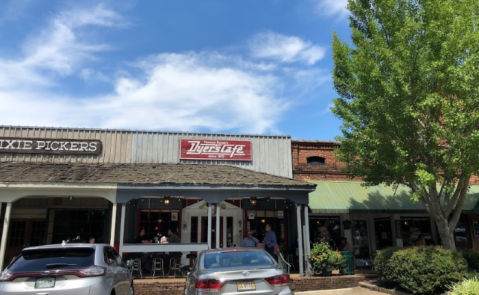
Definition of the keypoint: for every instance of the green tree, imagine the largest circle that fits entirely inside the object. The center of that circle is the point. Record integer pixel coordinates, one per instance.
(409, 100)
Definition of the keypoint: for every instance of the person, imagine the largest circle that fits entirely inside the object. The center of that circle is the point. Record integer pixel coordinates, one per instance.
(92, 240)
(141, 238)
(269, 240)
(249, 241)
(173, 237)
(345, 246)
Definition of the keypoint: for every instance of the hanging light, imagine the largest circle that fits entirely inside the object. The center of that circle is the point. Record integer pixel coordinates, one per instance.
(253, 201)
(263, 220)
(167, 200)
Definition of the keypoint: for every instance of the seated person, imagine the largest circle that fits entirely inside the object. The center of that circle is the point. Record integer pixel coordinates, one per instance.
(173, 237)
(92, 240)
(345, 246)
(141, 238)
(249, 241)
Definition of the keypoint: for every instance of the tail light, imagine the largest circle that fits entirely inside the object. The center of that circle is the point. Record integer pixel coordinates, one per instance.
(208, 285)
(278, 281)
(93, 271)
(6, 275)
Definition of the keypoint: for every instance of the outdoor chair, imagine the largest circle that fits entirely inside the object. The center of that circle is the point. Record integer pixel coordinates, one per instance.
(136, 266)
(175, 266)
(157, 265)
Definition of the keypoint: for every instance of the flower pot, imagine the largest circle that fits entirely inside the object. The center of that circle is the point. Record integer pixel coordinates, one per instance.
(326, 272)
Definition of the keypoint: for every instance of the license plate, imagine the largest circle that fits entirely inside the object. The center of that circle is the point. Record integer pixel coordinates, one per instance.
(44, 283)
(246, 285)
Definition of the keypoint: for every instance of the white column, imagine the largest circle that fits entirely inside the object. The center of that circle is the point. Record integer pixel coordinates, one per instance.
(209, 225)
(218, 225)
(300, 240)
(113, 225)
(348, 233)
(6, 223)
(306, 230)
(122, 227)
(399, 240)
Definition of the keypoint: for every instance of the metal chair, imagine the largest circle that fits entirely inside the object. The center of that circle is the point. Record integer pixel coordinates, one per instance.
(175, 266)
(192, 257)
(157, 265)
(290, 260)
(136, 266)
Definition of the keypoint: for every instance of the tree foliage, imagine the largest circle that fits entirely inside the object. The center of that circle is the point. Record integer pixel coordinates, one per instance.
(409, 94)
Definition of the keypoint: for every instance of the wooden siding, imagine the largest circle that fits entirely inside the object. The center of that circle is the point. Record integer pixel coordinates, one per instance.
(271, 154)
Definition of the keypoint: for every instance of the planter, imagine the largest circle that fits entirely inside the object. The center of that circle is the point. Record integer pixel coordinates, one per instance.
(326, 272)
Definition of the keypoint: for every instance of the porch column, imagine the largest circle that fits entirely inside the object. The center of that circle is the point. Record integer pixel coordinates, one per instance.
(6, 223)
(209, 225)
(307, 247)
(113, 225)
(397, 230)
(300, 240)
(122, 227)
(348, 233)
(218, 226)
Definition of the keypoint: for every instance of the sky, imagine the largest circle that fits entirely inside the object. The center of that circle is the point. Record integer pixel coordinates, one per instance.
(229, 66)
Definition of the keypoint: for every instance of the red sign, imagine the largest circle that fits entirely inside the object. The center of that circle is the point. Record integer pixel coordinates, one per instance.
(226, 150)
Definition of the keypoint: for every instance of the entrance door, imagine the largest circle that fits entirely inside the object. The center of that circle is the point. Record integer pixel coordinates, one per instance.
(23, 233)
(204, 231)
(384, 237)
(360, 239)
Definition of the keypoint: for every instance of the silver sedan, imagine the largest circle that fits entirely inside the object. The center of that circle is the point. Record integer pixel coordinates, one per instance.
(237, 271)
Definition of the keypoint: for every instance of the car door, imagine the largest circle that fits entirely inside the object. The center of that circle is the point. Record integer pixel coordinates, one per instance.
(125, 275)
(114, 273)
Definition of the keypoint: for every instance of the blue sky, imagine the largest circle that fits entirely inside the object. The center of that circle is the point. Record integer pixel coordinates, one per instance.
(238, 66)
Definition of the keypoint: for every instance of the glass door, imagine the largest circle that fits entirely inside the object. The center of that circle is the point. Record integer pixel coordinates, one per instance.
(383, 234)
(361, 239)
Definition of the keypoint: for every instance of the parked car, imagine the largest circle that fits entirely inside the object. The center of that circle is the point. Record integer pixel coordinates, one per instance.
(237, 271)
(72, 269)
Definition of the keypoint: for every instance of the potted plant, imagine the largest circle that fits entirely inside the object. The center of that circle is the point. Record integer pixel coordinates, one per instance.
(323, 260)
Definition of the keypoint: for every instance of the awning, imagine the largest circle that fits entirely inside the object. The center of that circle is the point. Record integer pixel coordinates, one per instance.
(352, 197)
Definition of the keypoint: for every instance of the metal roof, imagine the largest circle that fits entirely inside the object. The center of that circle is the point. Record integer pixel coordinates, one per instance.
(353, 197)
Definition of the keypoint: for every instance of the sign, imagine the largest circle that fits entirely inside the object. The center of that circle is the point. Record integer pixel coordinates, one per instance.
(251, 215)
(225, 150)
(280, 214)
(50, 146)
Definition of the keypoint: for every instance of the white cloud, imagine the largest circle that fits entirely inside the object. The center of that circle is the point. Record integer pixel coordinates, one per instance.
(286, 49)
(331, 7)
(186, 91)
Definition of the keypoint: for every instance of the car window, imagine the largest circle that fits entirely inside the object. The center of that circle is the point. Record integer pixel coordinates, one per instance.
(118, 258)
(60, 258)
(233, 259)
(109, 257)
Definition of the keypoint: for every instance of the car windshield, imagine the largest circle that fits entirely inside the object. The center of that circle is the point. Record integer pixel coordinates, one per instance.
(234, 259)
(63, 258)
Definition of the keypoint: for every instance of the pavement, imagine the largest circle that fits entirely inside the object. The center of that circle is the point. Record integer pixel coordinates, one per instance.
(347, 291)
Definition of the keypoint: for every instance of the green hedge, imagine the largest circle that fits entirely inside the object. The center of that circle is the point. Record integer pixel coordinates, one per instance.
(382, 264)
(472, 258)
(466, 287)
(422, 270)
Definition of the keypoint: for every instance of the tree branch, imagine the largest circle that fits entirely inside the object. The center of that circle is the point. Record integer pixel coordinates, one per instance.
(460, 204)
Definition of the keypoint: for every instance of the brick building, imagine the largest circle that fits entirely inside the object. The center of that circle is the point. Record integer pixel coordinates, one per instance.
(370, 218)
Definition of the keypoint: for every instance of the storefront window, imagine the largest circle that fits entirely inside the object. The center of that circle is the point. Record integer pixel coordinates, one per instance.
(327, 227)
(157, 222)
(85, 223)
(383, 234)
(461, 233)
(260, 219)
(413, 228)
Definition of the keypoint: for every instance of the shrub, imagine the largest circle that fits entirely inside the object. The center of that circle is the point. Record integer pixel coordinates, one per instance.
(472, 258)
(382, 264)
(466, 287)
(427, 270)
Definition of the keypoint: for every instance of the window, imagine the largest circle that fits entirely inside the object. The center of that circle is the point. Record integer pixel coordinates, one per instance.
(316, 161)
(412, 228)
(327, 227)
(85, 223)
(39, 259)
(158, 222)
(194, 230)
(109, 256)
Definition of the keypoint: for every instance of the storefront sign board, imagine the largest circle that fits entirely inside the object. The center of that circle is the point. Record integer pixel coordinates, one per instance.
(50, 146)
(224, 150)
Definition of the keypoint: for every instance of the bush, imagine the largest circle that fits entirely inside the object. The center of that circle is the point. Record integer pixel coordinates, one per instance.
(472, 258)
(382, 264)
(427, 270)
(466, 287)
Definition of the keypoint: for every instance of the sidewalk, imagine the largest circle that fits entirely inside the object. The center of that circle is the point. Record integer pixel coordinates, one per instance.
(346, 291)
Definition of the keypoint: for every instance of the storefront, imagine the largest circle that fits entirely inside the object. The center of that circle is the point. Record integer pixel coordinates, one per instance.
(59, 184)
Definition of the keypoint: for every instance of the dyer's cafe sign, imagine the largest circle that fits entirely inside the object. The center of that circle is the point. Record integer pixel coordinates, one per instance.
(225, 150)
(50, 146)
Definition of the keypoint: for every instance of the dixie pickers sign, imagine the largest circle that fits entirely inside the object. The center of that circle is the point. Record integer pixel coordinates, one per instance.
(50, 146)
(225, 150)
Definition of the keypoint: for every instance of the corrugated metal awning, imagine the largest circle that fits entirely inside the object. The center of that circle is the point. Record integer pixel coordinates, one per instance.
(353, 197)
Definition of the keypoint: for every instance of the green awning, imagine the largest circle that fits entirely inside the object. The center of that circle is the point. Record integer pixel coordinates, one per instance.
(352, 197)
